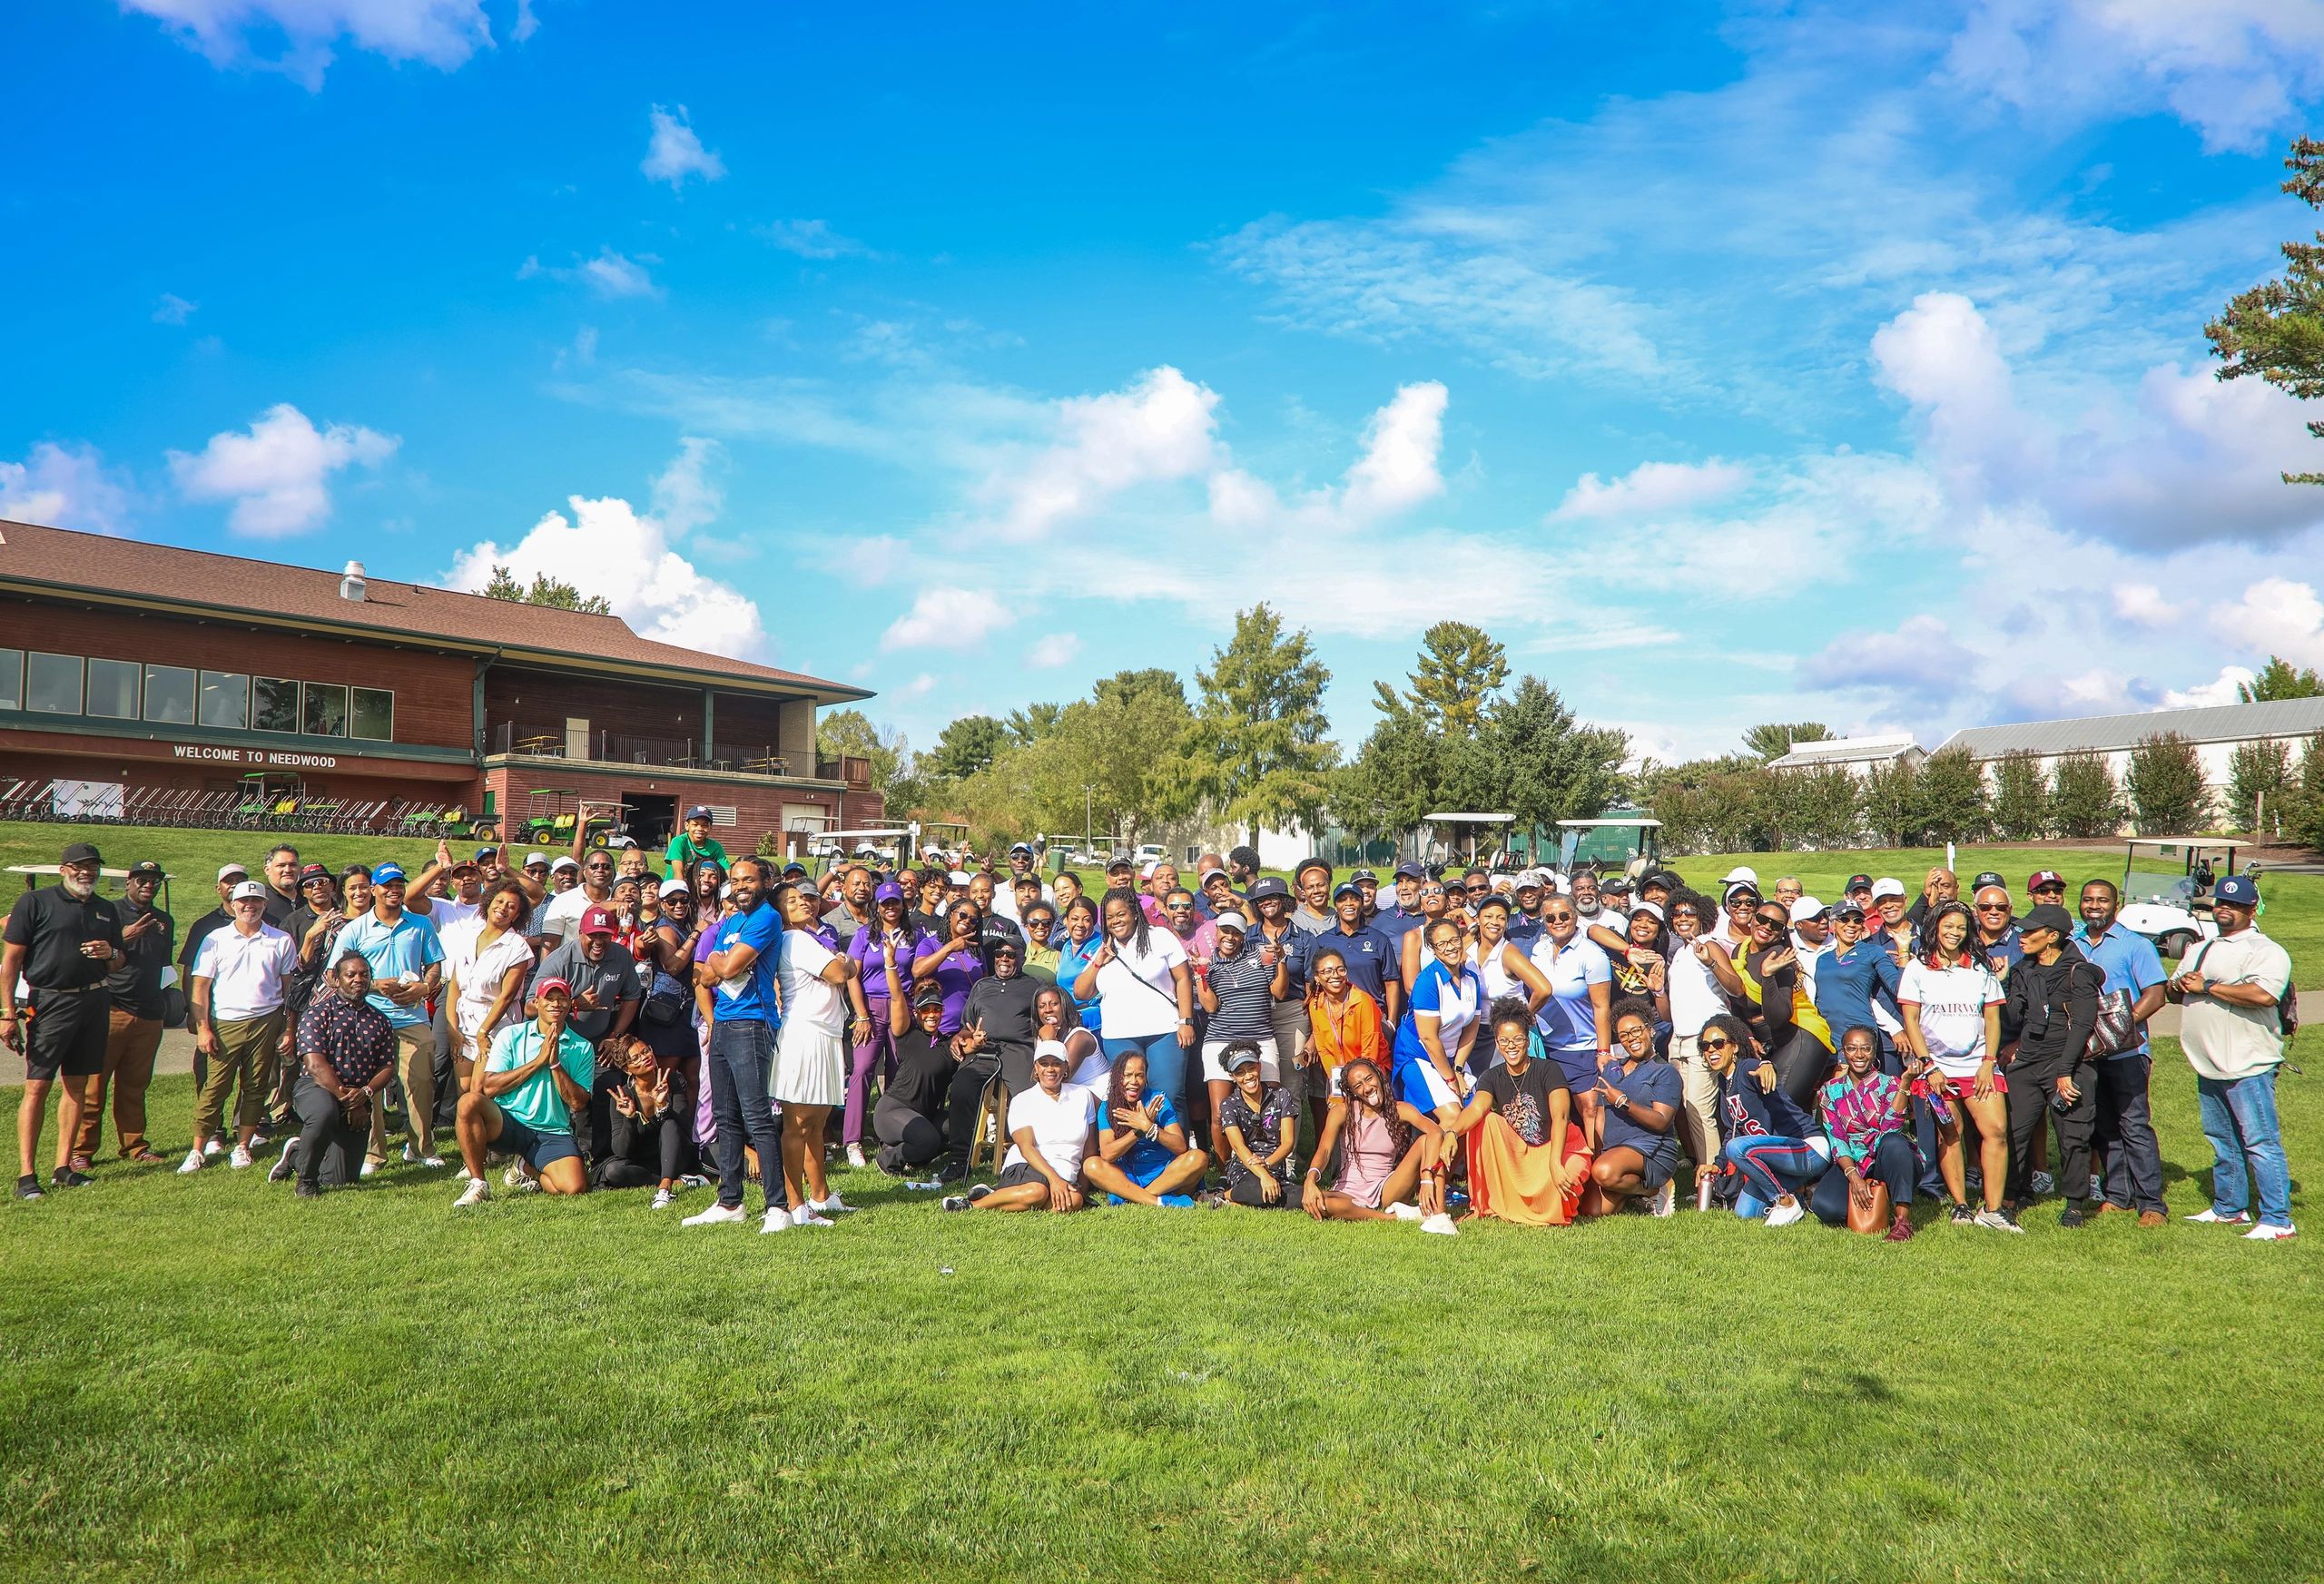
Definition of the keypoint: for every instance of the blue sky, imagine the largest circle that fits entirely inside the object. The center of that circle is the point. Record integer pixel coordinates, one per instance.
(1766, 361)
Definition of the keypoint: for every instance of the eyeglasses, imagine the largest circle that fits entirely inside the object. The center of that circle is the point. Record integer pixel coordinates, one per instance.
(1993, 906)
(1431, 890)
(1478, 889)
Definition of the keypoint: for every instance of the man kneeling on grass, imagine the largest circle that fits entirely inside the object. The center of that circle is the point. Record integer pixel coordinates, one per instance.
(1053, 1126)
(523, 1097)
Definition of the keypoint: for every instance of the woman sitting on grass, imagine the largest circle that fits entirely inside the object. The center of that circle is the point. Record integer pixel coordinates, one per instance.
(1262, 1124)
(1052, 1130)
(648, 1132)
(1768, 1142)
(1383, 1144)
(1867, 1116)
(1529, 1160)
(1637, 1096)
(1142, 1153)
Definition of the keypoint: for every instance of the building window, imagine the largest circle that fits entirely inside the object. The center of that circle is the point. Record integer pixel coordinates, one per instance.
(52, 684)
(274, 704)
(169, 694)
(375, 714)
(226, 700)
(324, 713)
(112, 689)
(12, 679)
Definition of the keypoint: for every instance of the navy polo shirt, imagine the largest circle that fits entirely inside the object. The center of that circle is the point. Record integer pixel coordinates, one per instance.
(1371, 957)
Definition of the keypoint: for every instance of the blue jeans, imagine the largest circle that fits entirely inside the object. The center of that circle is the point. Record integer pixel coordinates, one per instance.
(1771, 1168)
(741, 1067)
(2239, 1119)
(1166, 1064)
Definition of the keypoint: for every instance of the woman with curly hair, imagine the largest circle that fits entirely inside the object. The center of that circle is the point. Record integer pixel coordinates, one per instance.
(1529, 1160)
(1142, 1153)
(1774, 1147)
(1383, 1143)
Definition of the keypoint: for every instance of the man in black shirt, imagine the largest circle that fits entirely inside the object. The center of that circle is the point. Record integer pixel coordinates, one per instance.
(1002, 1003)
(281, 877)
(63, 941)
(133, 1032)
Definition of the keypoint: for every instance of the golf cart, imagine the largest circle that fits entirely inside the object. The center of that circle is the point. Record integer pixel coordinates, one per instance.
(1433, 850)
(549, 819)
(1631, 843)
(2166, 889)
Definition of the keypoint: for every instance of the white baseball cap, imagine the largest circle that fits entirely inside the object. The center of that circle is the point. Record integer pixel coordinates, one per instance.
(1048, 1050)
(1742, 872)
(228, 871)
(673, 887)
(1233, 921)
(1887, 886)
(533, 858)
(1805, 909)
(249, 890)
(565, 860)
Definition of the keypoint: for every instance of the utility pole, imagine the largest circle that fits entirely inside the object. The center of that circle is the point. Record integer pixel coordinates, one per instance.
(1088, 815)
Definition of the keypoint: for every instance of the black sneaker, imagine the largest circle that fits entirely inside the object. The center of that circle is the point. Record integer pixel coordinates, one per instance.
(980, 1191)
(954, 1170)
(66, 1177)
(1963, 1215)
(306, 1191)
(951, 1202)
(2072, 1215)
(28, 1187)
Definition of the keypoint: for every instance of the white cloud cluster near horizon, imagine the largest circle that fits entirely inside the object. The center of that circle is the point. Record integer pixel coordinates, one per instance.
(277, 472)
(636, 560)
(64, 487)
(443, 33)
(673, 151)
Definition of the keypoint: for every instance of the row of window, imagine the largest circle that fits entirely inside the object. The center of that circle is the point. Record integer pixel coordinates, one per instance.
(178, 695)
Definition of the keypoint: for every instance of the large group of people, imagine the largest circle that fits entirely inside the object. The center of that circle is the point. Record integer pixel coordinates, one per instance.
(1527, 1046)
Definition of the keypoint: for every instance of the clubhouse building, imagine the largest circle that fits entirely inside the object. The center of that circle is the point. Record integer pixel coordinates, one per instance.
(134, 672)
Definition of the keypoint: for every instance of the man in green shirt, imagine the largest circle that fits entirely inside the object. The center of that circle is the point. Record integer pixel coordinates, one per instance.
(694, 844)
(523, 1099)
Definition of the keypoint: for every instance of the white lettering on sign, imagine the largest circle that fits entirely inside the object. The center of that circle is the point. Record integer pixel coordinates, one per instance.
(261, 756)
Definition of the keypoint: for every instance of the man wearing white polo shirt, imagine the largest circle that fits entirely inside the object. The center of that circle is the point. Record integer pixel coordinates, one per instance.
(2230, 989)
(241, 976)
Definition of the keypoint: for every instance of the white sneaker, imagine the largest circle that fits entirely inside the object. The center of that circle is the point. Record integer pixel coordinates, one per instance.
(693, 1180)
(855, 1156)
(1441, 1225)
(1404, 1212)
(2263, 1233)
(805, 1216)
(663, 1199)
(475, 1192)
(2044, 1183)
(716, 1215)
(951, 1202)
(1785, 1215)
(287, 1163)
(514, 1177)
(1998, 1222)
(241, 1160)
(1666, 1199)
(2213, 1218)
(776, 1220)
(369, 1167)
(834, 1205)
(412, 1158)
(193, 1162)
(214, 1145)
(527, 1186)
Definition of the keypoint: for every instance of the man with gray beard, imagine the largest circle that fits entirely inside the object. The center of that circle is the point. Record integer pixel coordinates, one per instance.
(63, 941)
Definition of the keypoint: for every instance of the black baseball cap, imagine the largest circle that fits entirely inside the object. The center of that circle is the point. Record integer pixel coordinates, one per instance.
(1346, 888)
(1269, 885)
(2046, 916)
(1990, 877)
(1408, 870)
(82, 852)
(1857, 883)
(146, 869)
(1364, 874)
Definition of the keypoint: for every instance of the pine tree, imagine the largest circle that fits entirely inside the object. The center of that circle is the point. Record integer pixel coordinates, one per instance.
(1461, 667)
(2258, 775)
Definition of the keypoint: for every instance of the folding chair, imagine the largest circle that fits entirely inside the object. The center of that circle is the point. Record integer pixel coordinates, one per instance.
(992, 1122)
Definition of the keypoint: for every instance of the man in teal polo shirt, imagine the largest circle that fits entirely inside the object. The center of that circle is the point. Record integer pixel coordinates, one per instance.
(537, 1077)
(406, 962)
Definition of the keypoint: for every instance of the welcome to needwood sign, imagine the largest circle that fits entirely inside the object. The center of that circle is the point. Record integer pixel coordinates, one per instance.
(264, 757)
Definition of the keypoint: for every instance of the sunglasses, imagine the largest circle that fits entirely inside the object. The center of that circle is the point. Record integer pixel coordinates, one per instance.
(1763, 922)
(1715, 1044)
(1558, 918)
(1431, 890)
(1478, 889)
(1993, 906)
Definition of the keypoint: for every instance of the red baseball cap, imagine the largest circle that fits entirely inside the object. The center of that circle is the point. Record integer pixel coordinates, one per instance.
(2045, 877)
(598, 921)
(552, 983)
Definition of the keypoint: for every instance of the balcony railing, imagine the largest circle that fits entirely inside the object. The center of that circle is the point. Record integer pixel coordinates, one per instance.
(610, 747)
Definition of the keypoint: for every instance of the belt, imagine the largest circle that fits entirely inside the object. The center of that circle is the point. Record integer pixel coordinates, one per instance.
(60, 991)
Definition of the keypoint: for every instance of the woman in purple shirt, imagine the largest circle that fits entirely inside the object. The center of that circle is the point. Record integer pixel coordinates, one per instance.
(955, 962)
(891, 937)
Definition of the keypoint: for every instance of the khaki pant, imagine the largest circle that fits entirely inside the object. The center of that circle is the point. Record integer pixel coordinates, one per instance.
(416, 1067)
(246, 1056)
(1698, 1100)
(131, 1043)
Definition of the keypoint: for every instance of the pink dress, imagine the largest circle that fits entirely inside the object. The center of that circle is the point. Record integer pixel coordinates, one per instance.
(1367, 1157)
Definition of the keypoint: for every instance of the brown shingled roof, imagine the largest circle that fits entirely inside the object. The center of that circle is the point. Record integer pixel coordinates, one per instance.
(59, 558)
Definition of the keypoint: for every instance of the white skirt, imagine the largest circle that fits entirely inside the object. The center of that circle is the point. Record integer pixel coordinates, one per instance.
(810, 1066)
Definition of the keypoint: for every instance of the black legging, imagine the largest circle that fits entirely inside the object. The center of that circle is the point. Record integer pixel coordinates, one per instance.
(2029, 1103)
(1246, 1192)
(964, 1104)
(1893, 1163)
(640, 1145)
(907, 1138)
(323, 1131)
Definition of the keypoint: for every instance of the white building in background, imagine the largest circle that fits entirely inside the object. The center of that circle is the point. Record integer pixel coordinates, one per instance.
(1859, 756)
(2216, 731)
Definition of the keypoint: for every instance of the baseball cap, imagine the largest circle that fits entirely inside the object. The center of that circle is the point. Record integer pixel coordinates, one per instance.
(552, 983)
(1741, 887)
(387, 874)
(1887, 886)
(533, 858)
(1212, 873)
(1530, 880)
(484, 852)
(928, 993)
(1990, 877)
(2045, 877)
(887, 891)
(1408, 870)
(1744, 873)
(249, 890)
(698, 813)
(313, 871)
(1614, 882)
(1146, 870)
(1048, 1050)
(673, 887)
(1364, 874)
(1269, 885)
(225, 871)
(1346, 888)
(1847, 908)
(793, 867)
(464, 865)
(999, 940)
(597, 922)
(2046, 916)
(1120, 860)
(1805, 909)
(1240, 1055)
(1234, 921)
(564, 861)
(86, 853)
(146, 869)
(1024, 847)
(1859, 882)
(2239, 890)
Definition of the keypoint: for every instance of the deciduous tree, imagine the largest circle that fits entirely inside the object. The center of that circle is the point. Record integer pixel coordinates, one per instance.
(2165, 784)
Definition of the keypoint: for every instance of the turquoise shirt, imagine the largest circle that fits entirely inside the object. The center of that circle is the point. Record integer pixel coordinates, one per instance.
(535, 1102)
(404, 950)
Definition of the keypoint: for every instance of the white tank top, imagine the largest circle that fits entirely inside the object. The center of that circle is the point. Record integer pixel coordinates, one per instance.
(1499, 980)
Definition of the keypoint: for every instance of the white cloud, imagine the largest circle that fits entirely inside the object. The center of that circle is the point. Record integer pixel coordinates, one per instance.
(2276, 617)
(686, 496)
(948, 618)
(1053, 650)
(919, 687)
(1917, 664)
(2223, 689)
(673, 152)
(2234, 69)
(526, 23)
(276, 473)
(58, 487)
(1653, 488)
(441, 33)
(610, 275)
(812, 238)
(1398, 468)
(1160, 428)
(2143, 605)
(174, 309)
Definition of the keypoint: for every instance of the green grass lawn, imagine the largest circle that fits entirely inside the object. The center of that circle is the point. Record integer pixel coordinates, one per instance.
(206, 1376)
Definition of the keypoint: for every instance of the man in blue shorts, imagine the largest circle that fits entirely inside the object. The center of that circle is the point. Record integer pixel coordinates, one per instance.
(524, 1098)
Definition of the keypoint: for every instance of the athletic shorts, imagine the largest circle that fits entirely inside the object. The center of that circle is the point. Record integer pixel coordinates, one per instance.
(1420, 1085)
(1655, 1173)
(67, 1034)
(536, 1149)
(1019, 1175)
(1966, 1088)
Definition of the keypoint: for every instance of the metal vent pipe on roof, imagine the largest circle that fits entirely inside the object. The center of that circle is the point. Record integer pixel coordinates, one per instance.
(350, 583)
